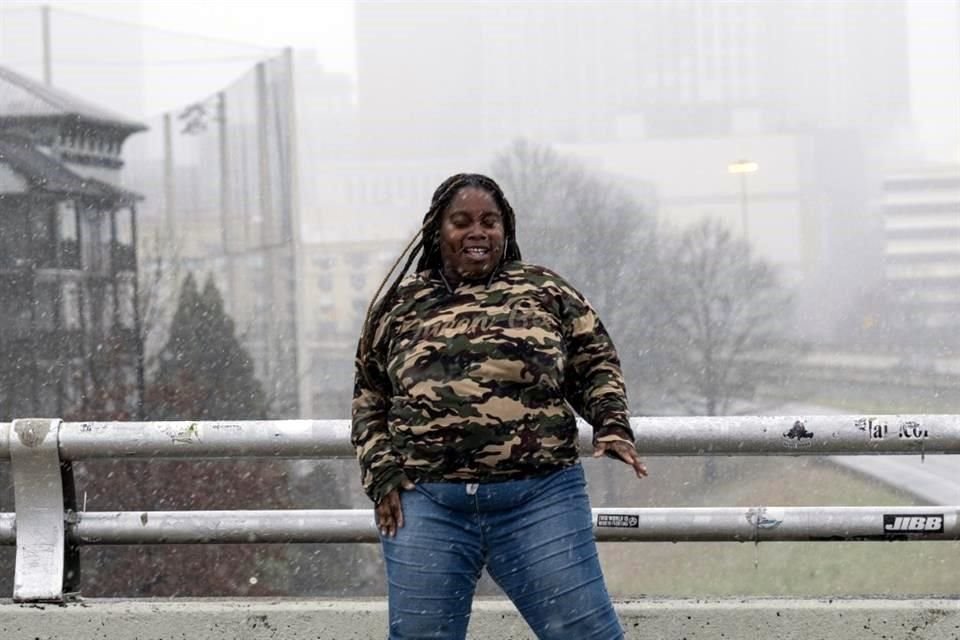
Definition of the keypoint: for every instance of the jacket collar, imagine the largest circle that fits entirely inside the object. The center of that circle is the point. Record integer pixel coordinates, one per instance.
(437, 277)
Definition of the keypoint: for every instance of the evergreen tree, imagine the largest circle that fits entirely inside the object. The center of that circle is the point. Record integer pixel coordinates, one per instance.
(204, 371)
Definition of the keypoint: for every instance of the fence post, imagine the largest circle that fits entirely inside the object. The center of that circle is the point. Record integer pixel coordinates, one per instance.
(38, 495)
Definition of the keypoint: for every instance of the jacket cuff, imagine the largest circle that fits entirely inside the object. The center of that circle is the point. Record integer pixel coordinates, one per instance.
(612, 433)
(386, 480)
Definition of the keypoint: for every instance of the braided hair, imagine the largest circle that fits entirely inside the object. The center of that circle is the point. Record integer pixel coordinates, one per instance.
(428, 248)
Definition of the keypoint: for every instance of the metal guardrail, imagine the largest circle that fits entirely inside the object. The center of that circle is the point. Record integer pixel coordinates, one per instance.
(47, 530)
(699, 524)
(656, 436)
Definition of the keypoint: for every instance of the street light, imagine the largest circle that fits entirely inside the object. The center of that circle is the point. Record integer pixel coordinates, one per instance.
(743, 167)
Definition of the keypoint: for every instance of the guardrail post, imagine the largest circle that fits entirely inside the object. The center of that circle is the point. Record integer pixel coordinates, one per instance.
(71, 554)
(38, 495)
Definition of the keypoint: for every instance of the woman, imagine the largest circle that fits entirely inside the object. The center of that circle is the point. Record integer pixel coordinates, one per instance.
(462, 421)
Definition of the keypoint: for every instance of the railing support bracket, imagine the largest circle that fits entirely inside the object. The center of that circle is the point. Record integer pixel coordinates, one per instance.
(38, 493)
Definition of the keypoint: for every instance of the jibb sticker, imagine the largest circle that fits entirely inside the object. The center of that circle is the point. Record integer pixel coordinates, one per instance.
(913, 523)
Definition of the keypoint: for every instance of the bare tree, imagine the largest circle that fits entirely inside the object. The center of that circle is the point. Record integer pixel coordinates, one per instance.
(698, 320)
(105, 388)
(600, 237)
(728, 313)
(597, 234)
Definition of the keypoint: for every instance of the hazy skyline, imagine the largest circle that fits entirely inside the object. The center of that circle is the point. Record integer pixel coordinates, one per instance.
(328, 29)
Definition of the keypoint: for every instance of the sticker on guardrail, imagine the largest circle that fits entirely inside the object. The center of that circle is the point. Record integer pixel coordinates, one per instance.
(916, 523)
(221, 426)
(912, 429)
(879, 429)
(622, 521)
(179, 434)
(798, 437)
(875, 429)
(764, 517)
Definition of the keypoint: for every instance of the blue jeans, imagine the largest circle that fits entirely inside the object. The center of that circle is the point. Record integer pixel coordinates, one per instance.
(535, 537)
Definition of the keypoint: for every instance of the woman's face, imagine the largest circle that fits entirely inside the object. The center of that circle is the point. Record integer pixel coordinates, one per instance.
(471, 235)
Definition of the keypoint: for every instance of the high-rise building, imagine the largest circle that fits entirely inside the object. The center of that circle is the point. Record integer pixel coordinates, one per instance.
(658, 93)
(440, 76)
(339, 279)
(921, 216)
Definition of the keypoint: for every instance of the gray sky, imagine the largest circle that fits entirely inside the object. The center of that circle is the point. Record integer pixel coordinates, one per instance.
(327, 27)
(935, 55)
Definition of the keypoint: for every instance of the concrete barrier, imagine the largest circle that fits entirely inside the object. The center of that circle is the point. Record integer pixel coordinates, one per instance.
(649, 619)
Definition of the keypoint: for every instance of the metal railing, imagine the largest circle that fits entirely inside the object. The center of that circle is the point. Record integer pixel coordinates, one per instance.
(47, 528)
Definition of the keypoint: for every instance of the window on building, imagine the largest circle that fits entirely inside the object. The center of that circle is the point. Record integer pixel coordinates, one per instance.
(13, 244)
(124, 223)
(18, 314)
(322, 262)
(68, 240)
(322, 330)
(42, 237)
(360, 307)
(70, 309)
(46, 300)
(124, 254)
(67, 220)
(95, 231)
(125, 302)
(358, 259)
(98, 308)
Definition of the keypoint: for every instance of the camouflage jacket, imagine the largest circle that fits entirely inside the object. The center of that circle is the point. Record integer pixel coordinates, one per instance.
(476, 383)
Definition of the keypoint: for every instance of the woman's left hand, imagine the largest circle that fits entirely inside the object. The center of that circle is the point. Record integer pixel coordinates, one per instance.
(624, 451)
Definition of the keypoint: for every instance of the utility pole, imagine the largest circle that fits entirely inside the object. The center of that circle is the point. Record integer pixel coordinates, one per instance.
(743, 167)
(169, 188)
(227, 206)
(47, 62)
(302, 370)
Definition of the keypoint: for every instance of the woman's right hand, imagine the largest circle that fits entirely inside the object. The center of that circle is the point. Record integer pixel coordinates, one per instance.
(390, 512)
